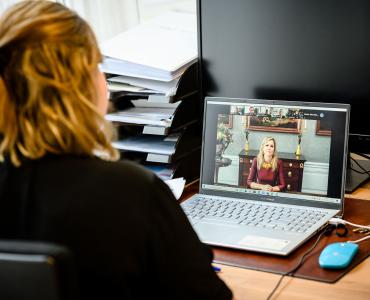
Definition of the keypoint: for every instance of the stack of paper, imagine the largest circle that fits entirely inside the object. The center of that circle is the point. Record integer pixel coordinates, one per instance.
(143, 116)
(158, 50)
(142, 85)
(152, 76)
(149, 144)
(146, 113)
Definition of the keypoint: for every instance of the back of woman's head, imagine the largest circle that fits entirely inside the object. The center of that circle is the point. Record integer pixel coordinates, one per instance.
(48, 98)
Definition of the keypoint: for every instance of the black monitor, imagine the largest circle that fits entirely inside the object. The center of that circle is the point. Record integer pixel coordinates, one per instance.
(309, 50)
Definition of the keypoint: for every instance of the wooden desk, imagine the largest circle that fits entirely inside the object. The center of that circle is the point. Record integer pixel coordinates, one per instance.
(363, 192)
(249, 284)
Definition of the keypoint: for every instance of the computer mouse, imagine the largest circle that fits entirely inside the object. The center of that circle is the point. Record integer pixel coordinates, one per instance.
(337, 255)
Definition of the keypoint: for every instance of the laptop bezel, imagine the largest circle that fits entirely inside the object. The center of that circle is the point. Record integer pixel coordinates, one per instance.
(263, 198)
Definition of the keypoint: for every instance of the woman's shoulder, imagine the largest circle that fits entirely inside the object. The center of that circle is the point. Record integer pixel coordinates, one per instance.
(94, 169)
(93, 179)
(123, 166)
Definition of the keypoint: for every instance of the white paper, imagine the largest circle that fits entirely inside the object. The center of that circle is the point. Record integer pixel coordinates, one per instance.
(149, 144)
(119, 67)
(167, 42)
(152, 104)
(168, 88)
(143, 116)
(177, 186)
(121, 87)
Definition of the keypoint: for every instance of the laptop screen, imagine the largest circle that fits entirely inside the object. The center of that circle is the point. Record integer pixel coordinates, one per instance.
(277, 151)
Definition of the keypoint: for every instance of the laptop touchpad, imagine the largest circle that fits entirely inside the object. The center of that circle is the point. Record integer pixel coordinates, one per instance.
(218, 232)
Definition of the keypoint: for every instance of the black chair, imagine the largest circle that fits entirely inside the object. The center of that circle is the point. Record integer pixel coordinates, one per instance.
(36, 271)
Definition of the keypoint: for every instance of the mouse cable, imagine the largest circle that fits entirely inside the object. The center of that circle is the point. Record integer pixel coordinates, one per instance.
(359, 240)
(300, 261)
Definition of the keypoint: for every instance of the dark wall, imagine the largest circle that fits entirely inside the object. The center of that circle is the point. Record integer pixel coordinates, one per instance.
(307, 50)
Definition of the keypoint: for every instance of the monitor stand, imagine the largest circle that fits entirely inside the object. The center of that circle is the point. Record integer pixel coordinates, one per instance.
(354, 179)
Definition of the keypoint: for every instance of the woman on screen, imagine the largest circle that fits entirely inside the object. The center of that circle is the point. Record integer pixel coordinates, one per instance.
(59, 178)
(266, 172)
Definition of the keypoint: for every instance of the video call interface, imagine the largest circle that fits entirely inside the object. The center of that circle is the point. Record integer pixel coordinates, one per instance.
(305, 159)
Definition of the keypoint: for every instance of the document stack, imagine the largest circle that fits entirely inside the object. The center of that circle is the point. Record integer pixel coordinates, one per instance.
(152, 78)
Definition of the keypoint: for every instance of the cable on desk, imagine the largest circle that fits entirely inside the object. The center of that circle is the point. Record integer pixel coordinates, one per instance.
(361, 167)
(363, 155)
(326, 229)
(359, 240)
(338, 221)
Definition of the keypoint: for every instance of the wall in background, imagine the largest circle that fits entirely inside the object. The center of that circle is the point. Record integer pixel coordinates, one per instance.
(315, 148)
(110, 17)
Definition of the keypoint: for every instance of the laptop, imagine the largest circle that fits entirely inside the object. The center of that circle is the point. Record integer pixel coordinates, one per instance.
(271, 202)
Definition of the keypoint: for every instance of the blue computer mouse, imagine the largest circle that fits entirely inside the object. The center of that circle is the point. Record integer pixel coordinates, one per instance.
(337, 255)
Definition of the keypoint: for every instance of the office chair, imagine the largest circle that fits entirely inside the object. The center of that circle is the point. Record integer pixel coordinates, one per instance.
(36, 271)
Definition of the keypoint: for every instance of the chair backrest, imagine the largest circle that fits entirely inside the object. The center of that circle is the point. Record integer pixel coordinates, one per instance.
(36, 271)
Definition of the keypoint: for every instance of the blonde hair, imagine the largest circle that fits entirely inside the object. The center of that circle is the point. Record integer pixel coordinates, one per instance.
(260, 156)
(48, 98)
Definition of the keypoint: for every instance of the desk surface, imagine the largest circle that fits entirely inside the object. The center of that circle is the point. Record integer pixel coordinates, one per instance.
(363, 192)
(249, 284)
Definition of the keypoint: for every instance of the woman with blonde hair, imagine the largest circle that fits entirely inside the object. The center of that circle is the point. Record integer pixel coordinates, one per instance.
(59, 182)
(266, 172)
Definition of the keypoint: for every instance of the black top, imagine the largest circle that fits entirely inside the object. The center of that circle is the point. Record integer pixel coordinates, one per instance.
(129, 237)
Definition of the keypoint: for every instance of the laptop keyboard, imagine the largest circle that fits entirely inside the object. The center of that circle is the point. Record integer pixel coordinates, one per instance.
(251, 214)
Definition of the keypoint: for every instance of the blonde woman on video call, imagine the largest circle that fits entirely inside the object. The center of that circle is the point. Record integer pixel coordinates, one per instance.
(128, 235)
(266, 172)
